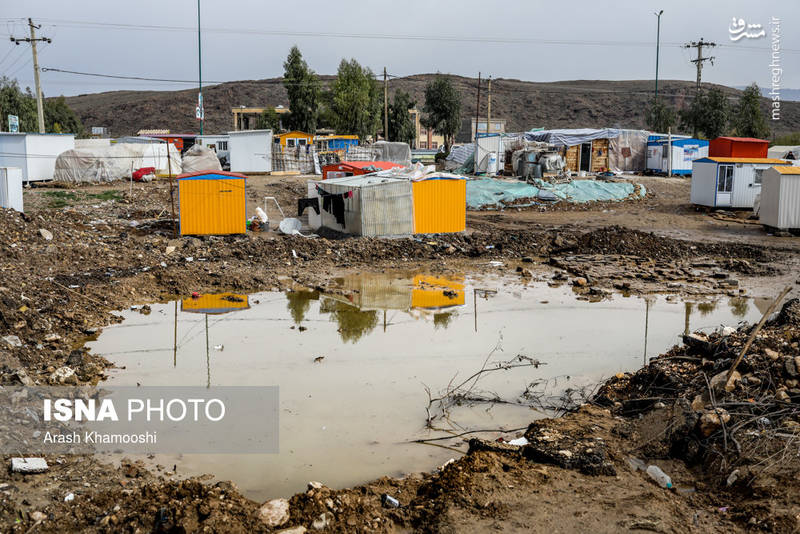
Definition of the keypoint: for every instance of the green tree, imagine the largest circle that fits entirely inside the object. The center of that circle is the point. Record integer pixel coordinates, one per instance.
(59, 117)
(707, 114)
(15, 102)
(401, 126)
(660, 117)
(303, 88)
(748, 119)
(356, 100)
(268, 120)
(443, 109)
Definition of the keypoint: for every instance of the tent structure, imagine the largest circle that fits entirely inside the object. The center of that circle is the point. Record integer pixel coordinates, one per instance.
(115, 162)
(600, 149)
(784, 152)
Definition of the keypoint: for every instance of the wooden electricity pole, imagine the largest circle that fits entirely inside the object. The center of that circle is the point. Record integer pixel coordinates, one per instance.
(385, 106)
(478, 107)
(698, 63)
(32, 40)
(489, 106)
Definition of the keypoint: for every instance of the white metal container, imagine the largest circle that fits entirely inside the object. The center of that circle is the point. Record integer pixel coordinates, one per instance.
(780, 198)
(721, 182)
(379, 206)
(250, 151)
(11, 188)
(35, 154)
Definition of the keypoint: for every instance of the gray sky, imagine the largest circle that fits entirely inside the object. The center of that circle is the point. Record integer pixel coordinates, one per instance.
(546, 41)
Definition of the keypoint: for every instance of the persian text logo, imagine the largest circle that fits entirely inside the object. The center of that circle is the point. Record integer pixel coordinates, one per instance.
(741, 30)
(776, 71)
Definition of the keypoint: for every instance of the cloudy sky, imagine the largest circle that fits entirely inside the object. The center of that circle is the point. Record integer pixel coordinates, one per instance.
(529, 40)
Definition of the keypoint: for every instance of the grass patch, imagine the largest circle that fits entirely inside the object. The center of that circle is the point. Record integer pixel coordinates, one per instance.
(60, 199)
(111, 194)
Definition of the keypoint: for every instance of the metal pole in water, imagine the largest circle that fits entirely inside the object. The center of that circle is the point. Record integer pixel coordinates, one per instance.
(175, 338)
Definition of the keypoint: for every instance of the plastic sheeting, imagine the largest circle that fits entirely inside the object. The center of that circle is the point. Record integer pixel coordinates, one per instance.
(572, 137)
(114, 162)
(489, 194)
(395, 152)
(199, 158)
(628, 151)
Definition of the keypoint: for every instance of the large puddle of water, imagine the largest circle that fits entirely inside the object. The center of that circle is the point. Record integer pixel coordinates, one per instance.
(352, 367)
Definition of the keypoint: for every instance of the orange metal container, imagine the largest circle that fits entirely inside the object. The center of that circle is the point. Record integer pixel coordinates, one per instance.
(212, 203)
(440, 205)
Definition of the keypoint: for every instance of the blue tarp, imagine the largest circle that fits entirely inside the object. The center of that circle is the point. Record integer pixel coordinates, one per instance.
(494, 193)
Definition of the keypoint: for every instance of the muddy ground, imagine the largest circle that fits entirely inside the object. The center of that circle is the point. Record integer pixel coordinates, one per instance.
(80, 254)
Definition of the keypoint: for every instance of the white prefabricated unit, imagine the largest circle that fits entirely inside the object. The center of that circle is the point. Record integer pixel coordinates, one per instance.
(11, 188)
(728, 182)
(35, 154)
(780, 198)
(217, 143)
(489, 154)
(373, 205)
(684, 152)
(250, 151)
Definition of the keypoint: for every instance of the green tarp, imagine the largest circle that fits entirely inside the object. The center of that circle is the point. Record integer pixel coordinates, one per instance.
(489, 193)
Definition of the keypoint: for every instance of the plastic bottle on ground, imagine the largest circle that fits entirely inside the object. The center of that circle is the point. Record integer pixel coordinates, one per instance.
(661, 478)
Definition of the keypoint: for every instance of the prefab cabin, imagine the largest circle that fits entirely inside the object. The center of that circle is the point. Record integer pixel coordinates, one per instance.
(780, 198)
(212, 203)
(738, 147)
(293, 139)
(684, 152)
(33, 153)
(733, 182)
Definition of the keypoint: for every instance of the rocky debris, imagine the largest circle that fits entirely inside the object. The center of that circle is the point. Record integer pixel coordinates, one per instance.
(712, 420)
(64, 375)
(47, 235)
(274, 513)
(28, 465)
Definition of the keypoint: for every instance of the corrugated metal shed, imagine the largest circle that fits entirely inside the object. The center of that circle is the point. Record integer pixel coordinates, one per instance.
(212, 203)
(748, 147)
(378, 206)
(780, 198)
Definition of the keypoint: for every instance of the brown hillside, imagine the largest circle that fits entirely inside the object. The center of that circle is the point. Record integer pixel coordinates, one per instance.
(525, 105)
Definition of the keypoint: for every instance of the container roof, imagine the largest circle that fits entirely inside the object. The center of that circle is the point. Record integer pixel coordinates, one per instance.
(787, 169)
(359, 181)
(210, 175)
(720, 159)
(383, 165)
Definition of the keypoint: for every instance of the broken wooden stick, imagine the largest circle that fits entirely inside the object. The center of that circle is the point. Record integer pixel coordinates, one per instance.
(757, 329)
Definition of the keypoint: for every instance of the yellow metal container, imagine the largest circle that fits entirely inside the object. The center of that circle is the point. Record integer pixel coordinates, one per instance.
(212, 202)
(440, 205)
(215, 304)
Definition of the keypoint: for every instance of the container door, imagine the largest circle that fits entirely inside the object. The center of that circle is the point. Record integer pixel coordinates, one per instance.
(724, 185)
(585, 157)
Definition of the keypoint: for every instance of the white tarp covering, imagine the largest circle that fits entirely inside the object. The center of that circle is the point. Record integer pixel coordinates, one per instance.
(114, 162)
(784, 152)
(490, 144)
(399, 153)
(199, 158)
(572, 137)
(627, 152)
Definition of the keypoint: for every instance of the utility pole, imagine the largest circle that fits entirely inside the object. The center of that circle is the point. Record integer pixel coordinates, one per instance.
(478, 108)
(658, 43)
(386, 106)
(32, 40)
(489, 106)
(700, 59)
(200, 107)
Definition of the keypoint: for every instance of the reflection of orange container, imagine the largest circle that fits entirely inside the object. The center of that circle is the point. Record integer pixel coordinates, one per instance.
(212, 203)
(440, 205)
(429, 292)
(219, 303)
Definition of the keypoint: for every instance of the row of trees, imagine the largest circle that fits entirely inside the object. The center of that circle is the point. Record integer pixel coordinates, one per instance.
(353, 104)
(58, 116)
(712, 115)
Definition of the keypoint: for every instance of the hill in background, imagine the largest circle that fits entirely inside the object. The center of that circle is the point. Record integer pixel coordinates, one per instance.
(524, 105)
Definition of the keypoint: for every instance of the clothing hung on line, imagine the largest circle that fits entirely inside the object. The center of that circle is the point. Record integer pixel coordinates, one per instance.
(334, 203)
(303, 203)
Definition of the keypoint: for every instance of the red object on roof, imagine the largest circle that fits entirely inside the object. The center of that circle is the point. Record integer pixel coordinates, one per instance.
(355, 168)
(738, 147)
